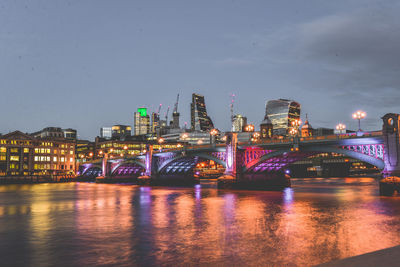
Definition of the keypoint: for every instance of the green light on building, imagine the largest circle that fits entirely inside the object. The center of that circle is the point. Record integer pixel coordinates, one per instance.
(142, 111)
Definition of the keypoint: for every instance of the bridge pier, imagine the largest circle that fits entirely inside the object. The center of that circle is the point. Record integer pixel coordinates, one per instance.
(391, 172)
(231, 170)
(146, 178)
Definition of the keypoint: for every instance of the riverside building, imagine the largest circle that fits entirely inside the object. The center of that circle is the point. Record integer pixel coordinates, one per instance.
(22, 155)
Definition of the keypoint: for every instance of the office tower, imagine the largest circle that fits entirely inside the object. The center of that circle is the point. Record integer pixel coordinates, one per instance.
(155, 122)
(282, 112)
(200, 121)
(141, 122)
(106, 132)
(238, 123)
(120, 131)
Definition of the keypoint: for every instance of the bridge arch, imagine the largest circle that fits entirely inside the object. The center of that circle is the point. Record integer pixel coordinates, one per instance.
(128, 167)
(92, 171)
(306, 152)
(187, 161)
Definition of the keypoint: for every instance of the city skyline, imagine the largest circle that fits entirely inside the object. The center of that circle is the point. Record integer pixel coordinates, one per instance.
(62, 68)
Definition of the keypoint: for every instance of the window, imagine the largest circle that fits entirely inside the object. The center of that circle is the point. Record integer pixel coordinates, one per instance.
(36, 158)
(55, 159)
(37, 150)
(71, 160)
(14, 150)
(26, 150)
(3, 149)
(48, 151)
(71, 152)
(14, 158)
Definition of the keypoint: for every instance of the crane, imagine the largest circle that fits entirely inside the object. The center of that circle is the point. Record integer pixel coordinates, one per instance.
(166, 115)
(231, 105)
(176, 104)
(159, 109)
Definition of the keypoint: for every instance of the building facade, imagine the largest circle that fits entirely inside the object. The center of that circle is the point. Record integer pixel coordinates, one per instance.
(200, 121)
(141, 122)
(24, 155)
(238, 123)
(282, 112)
(121, 131)
(106, 132)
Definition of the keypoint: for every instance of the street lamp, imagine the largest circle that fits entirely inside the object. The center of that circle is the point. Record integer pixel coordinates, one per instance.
(249, 128)
(341, 128)
(295, 127)
(256, 136)
(213, 133)
(359, 115)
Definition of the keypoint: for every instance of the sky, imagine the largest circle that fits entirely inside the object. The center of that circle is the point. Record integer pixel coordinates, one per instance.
(86, 64)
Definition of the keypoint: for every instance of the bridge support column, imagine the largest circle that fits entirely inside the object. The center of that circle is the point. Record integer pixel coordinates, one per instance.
(391, 139)
(231, 170)
(145, 179)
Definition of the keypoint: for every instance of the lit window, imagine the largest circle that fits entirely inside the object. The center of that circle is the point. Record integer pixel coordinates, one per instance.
(55, 159)
(71, 152)
(71, 160)
(48, 150)
(26, 150)
(3, 149)
(14, 158)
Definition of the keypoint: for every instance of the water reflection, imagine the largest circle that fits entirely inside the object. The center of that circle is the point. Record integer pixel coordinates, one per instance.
(316, 221)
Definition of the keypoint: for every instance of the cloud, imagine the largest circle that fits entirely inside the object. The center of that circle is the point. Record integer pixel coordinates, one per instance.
(360, 49)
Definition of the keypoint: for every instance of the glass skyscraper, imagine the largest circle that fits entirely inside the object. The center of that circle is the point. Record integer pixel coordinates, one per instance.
(200, 121)
(282, 112)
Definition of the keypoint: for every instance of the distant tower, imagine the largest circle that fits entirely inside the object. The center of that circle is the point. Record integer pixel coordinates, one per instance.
(200, 121)
(155, 120)
(141, 122)
(282, 112)
(175, 115)
(306, 129)
(266, 128)
(238, 123)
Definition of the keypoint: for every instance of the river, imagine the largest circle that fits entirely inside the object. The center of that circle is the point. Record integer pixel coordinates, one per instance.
(87, 224)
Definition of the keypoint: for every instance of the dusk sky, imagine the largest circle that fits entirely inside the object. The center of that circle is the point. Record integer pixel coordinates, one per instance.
(87, 64)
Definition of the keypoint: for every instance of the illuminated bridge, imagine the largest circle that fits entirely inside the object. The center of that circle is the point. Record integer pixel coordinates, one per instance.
(255, 164)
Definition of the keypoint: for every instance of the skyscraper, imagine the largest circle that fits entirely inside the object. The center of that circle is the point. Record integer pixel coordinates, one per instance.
(155, 122)
(200, 121)
(238, 123)
(282, 112)
(141, 122)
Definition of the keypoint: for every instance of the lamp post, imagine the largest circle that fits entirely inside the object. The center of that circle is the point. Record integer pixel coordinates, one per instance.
(249, 128)
(213, 133)
(295, 127)
(341, 128)
(359, 115)
(160, 141)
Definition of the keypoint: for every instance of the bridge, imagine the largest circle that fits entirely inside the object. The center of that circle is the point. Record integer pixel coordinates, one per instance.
(260, 164)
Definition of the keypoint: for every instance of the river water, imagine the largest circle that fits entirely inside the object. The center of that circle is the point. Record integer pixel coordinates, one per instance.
(86, 224)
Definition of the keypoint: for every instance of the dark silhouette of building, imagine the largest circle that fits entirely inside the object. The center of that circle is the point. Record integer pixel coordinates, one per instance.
(200, 121)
